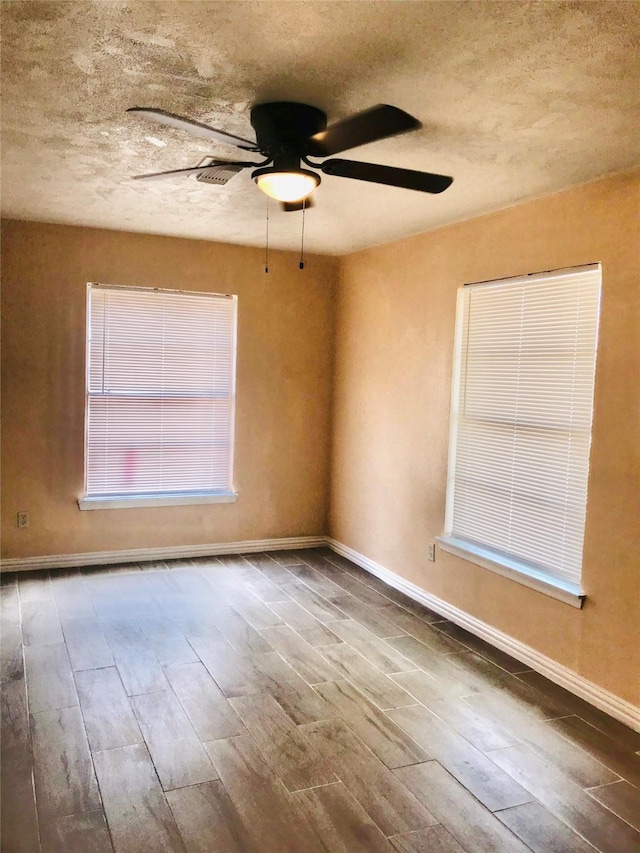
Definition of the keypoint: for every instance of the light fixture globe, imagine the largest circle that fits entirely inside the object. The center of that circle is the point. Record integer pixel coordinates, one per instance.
(286, 184)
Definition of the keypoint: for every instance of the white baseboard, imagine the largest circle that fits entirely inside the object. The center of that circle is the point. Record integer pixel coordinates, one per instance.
(608, 702)
(141, 555)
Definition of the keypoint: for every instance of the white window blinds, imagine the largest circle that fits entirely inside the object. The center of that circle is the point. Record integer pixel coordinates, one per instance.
(160, 392)
(521, 417)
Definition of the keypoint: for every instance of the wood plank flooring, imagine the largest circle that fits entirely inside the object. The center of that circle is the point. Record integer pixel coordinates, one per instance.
(287, 703)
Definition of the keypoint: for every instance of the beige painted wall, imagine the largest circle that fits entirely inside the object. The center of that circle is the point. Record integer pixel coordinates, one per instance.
(285, 324)
(394, 347)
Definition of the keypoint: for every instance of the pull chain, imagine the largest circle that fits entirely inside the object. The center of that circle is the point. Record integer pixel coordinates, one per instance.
(266, 251)
(304, 207)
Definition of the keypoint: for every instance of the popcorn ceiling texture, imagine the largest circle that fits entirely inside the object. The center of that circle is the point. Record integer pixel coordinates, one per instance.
(517, 99)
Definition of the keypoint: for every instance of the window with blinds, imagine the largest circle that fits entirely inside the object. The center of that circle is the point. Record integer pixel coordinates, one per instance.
(160, 392)
(522, 408)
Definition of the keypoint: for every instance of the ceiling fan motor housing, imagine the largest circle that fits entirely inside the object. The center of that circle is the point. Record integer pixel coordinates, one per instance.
(283, 127)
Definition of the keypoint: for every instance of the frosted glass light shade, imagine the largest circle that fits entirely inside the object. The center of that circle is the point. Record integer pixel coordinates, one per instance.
(286, 186)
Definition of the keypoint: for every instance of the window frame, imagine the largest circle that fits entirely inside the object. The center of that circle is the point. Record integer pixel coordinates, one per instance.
(160, 499)
(514, 568)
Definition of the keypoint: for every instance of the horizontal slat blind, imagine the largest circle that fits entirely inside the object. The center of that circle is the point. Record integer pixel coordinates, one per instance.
(160, 397)
(522, 417)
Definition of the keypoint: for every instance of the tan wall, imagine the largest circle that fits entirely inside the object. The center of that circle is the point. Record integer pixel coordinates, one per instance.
(394, 347)
(285, 323)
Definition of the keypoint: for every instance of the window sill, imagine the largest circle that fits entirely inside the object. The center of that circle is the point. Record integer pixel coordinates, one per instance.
(565, 591)
(132, 501)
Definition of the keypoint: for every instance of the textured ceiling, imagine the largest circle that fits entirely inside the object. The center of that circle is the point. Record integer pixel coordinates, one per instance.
(517, 100)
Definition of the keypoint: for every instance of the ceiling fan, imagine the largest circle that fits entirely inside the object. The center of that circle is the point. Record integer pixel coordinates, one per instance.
(289, 133)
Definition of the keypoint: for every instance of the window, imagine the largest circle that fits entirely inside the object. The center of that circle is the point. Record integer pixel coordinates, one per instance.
(522, 407)
(160, 397)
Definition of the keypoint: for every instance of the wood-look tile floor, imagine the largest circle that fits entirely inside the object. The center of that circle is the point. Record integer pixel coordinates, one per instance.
(287, 703)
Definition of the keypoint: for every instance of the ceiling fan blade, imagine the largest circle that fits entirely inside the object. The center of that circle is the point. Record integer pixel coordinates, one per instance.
(375, 123)
(196, 127)
(407, 179)
(218, 172)
(291, 206)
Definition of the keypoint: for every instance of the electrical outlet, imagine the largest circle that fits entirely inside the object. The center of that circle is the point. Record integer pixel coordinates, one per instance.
(23, 519)
(432, 552)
